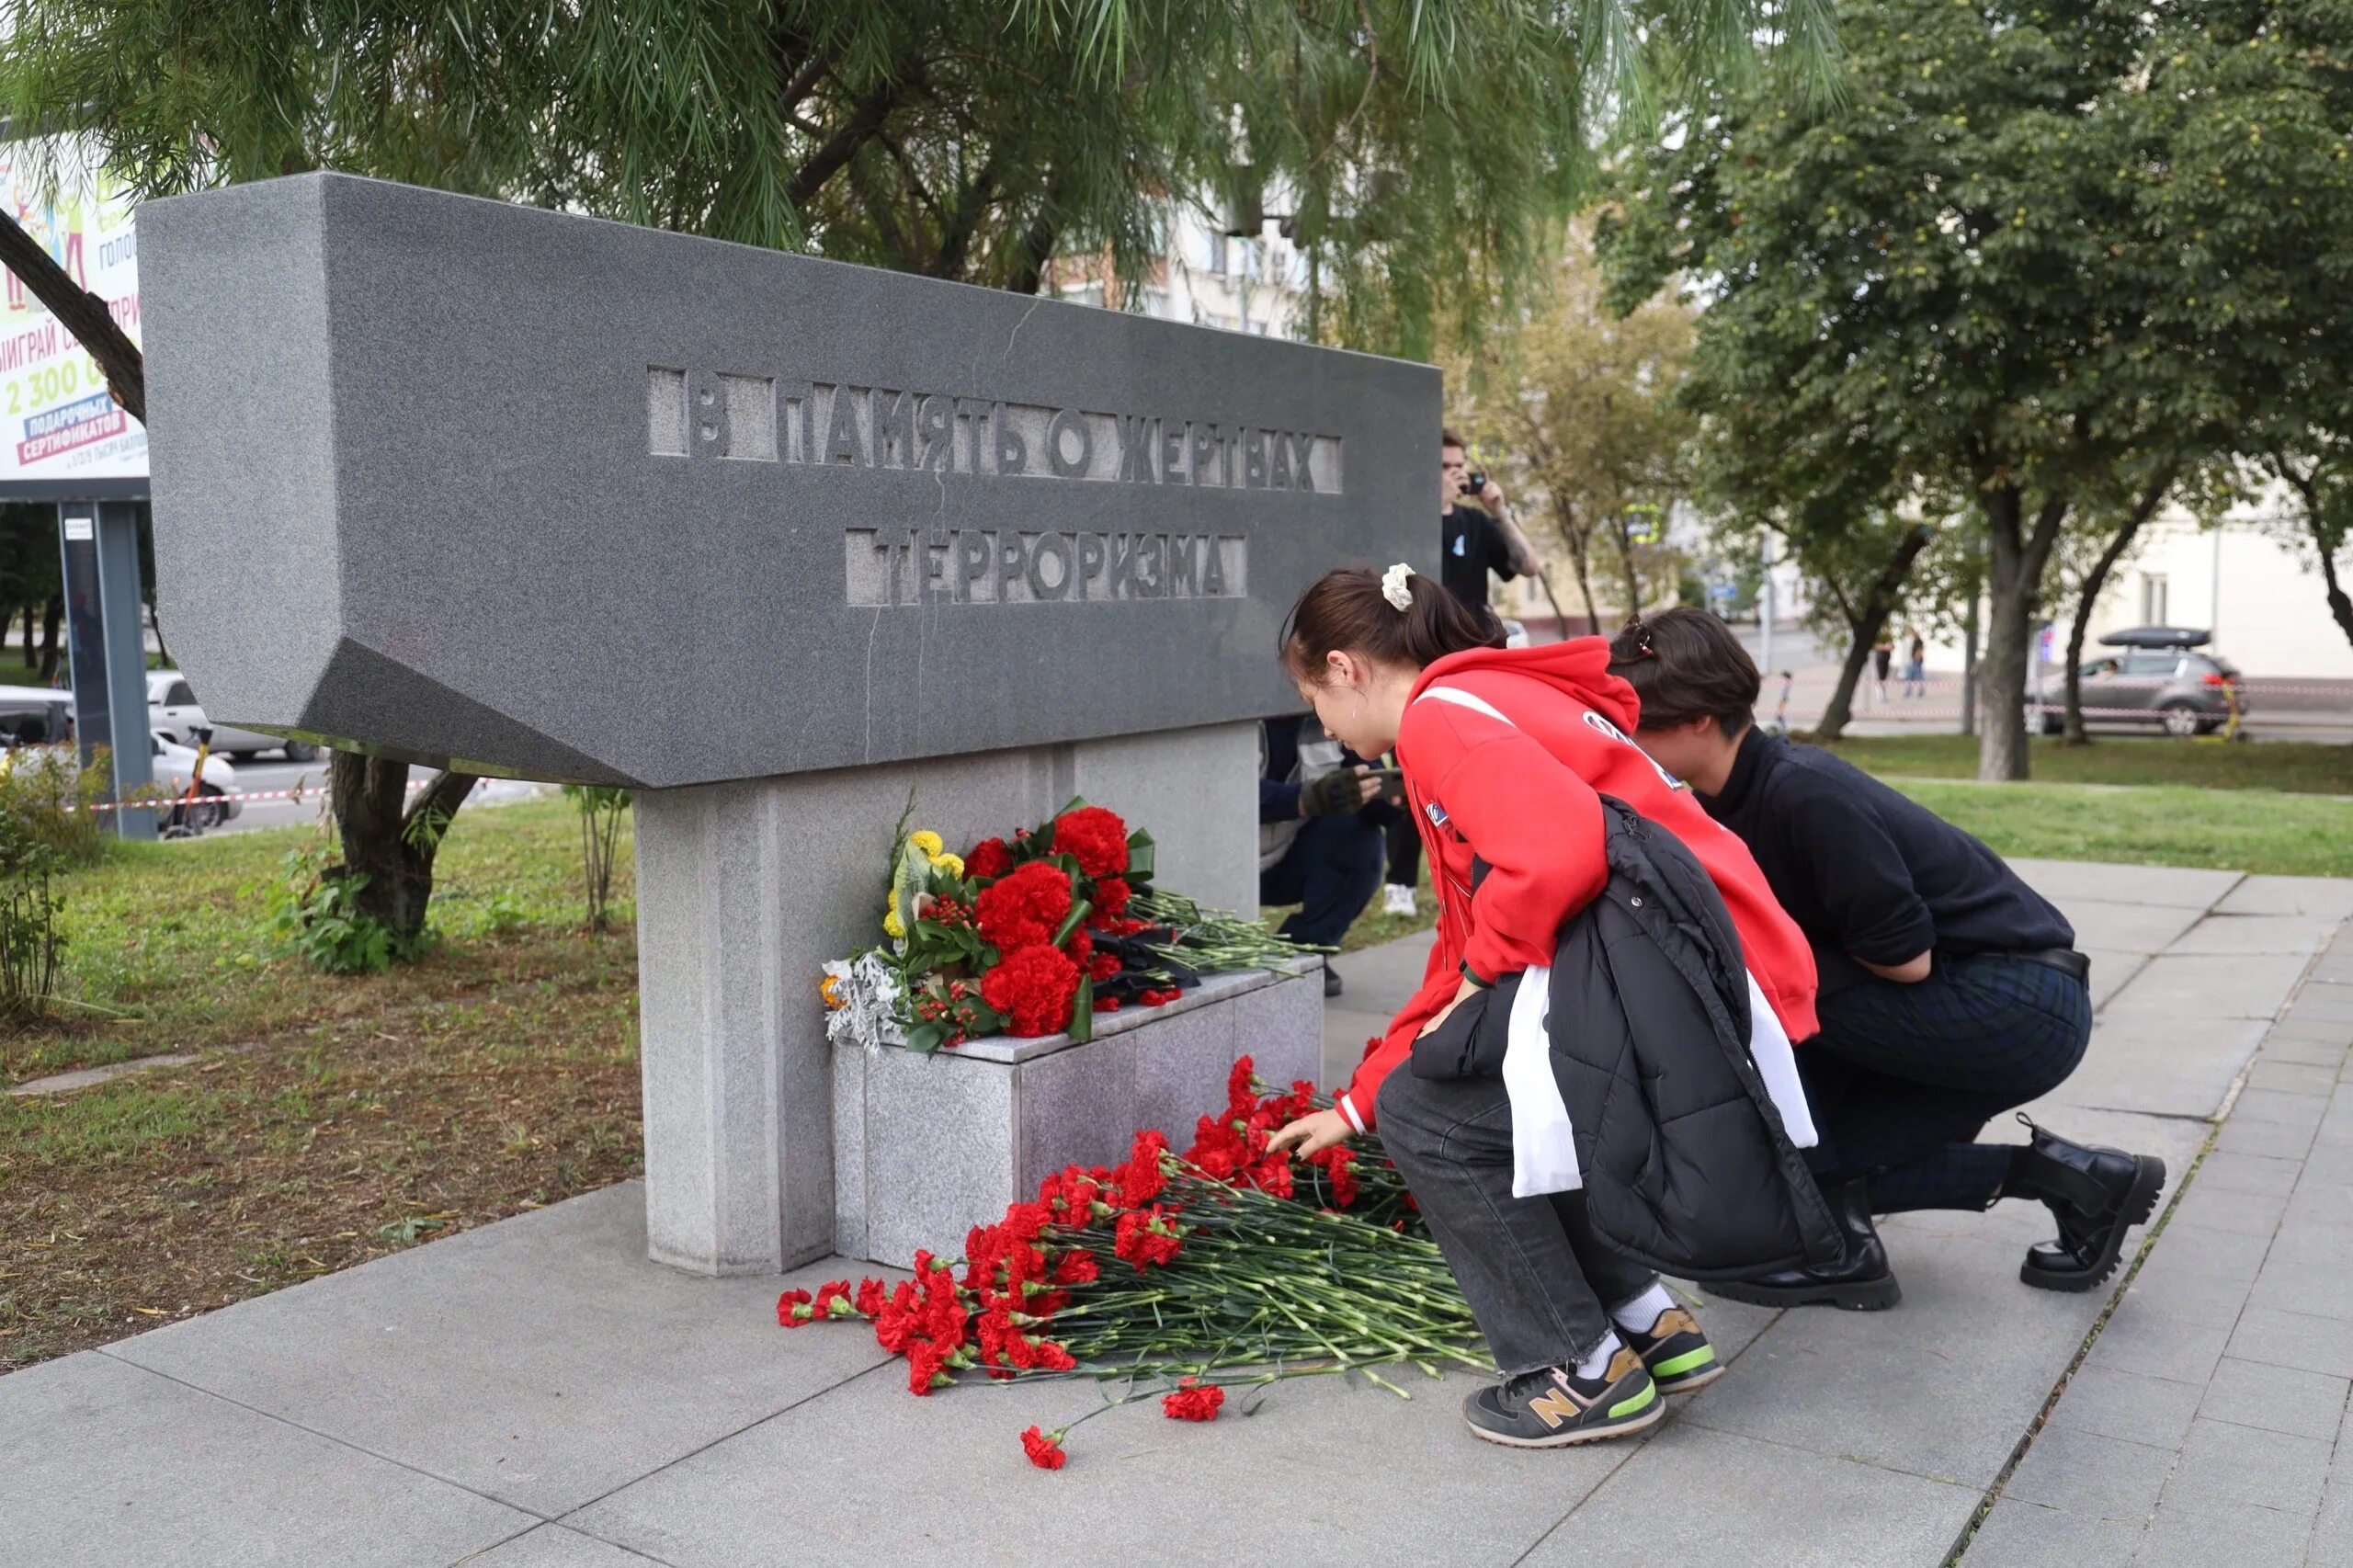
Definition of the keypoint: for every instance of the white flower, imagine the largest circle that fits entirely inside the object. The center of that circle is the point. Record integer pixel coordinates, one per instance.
(1397, 586)
(869, 993)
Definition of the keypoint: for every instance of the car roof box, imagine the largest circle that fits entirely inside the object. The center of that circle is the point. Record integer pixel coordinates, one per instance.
(2157, 637)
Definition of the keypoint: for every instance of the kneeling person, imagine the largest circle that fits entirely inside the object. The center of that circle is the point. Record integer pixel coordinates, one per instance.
(1320, 832)
(1950, 990)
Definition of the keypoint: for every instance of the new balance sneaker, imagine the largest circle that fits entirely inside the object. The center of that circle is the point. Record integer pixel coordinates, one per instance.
(1552, 1407)
(1397, 899)
(1675, 1352)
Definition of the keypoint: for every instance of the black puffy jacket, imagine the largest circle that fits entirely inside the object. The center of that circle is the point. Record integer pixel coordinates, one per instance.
(1686, 1164)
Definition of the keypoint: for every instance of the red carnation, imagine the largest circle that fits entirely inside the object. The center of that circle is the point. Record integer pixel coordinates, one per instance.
(1081, 949)
(1103, 967)
(1045, 1449)
(1146, 1237)
(793, 1309)
(1140, 1179)
(989, 859)
(1193, 1401)
(872, 1294)
(1112, 895)
(1023, 908)
(1076, 1268)
(1097, 838)
(1032, 988)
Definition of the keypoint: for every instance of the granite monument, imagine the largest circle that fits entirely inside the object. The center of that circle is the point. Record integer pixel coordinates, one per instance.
(768, 539)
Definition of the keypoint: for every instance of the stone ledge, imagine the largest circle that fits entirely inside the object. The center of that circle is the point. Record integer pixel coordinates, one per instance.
(926, 1147)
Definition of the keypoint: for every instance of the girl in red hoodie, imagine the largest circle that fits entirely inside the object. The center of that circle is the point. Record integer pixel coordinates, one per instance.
(1505, 753)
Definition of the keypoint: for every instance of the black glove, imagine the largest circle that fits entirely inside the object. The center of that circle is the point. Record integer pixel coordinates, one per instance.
(1332, 794)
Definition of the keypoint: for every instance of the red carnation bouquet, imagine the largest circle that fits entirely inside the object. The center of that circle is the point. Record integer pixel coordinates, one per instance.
(1030, 935)
(1183, 1274)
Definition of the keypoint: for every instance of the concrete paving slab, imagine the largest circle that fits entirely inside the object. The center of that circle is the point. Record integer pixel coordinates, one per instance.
(543, 1361)
(2111, 972)
(2029, 1535)
(2329, 898)
(2258, 1213)
(2320, 1005)
(2161, 1346)
(553, 1546)
(109, 1463)
(2127, 1406)
(2291, 1077)
(2332, 1538)
(2281, 1108)
(2222, 1462)
(2321, 1205)
(2265, 1138)
(1968, 1342)
(2294, 935)
(1360, 1474)
(2141, 928)
(2248, 1173)
(2159, 1067)
(1811, 1509)
(2066, 883)
(2200, 1535)
(2165, 1289)
(2254, 1393)
(2301, 1340)
(2284, 1045)
(2086, 1473)
(2311, 1289)
(2176, 990)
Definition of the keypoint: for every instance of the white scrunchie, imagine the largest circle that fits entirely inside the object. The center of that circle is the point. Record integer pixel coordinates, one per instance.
(1397, 586)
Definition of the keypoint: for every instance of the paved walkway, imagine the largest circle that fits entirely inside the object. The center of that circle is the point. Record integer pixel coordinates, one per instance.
(535, 1394)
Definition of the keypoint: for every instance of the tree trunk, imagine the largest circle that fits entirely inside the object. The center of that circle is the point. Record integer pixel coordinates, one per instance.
(81, 313)
(2016, 559)
(2340, 608)
(1564, 522)
(51, 614)
(1626, 560)
(1836, 717)
(1865, 621)
(393, 848)
(2087, 599)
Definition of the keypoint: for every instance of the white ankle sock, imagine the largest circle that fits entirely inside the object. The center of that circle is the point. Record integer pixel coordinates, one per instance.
(1598, 1363)
(1642, 1311)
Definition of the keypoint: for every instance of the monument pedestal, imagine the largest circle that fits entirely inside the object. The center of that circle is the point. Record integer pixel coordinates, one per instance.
(926, 1147)
(745, 890)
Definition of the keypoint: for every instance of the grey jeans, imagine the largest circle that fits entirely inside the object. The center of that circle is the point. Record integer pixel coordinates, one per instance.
(1536, 1277)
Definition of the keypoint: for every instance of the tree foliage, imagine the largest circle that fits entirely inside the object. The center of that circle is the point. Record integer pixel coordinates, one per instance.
(1583, 402)
(1948, 289)
(1417, 151)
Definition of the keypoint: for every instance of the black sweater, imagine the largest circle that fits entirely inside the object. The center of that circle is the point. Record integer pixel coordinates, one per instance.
(1868, 874)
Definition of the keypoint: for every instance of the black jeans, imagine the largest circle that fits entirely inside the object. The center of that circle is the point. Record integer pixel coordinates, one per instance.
(1405, 850)
(1901, 1078)
(1537, 1279)
(1330, 870)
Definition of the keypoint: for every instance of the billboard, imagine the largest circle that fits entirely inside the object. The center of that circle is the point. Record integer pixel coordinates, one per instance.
(61, 433)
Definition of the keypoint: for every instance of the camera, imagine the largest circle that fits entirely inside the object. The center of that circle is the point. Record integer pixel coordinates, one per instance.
(1475, 483)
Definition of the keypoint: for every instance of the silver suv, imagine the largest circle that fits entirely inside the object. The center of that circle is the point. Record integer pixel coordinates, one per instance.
(2156, 675)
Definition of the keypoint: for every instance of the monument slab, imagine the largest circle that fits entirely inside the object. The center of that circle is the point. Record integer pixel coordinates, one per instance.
(778, 542)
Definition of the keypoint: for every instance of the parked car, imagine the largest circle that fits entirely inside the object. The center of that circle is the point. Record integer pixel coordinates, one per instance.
(173, 764)
(35, 716)
(173, 711)
(2158, 676)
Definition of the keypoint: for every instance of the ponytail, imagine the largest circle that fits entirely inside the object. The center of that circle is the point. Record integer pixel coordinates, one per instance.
(1350, 611)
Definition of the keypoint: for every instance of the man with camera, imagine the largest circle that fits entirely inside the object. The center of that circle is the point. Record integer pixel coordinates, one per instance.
(1473, 542)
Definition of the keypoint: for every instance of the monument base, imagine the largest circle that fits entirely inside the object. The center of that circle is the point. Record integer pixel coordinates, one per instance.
(926, 1147)
(745, 890)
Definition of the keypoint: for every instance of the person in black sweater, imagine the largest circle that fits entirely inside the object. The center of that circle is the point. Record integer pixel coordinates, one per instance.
(1320, 832)
(1950, 991)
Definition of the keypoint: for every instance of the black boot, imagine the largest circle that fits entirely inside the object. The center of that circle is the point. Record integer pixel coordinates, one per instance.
(1861, 1281)
(2097, 1194)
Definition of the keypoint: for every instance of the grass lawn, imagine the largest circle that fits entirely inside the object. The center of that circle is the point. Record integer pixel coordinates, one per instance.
(2264, 831)
(2300, 767)
(327, 1119)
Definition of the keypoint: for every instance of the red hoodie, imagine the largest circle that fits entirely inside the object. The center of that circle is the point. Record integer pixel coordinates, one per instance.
(1522, 793)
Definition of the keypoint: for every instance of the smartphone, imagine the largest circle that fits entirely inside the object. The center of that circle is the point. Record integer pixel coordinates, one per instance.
(1392, 785)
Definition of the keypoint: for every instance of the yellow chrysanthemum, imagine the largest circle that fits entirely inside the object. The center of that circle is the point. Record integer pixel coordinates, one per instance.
(951, 864)
(930, 843)
(830, 988)
(893, 926)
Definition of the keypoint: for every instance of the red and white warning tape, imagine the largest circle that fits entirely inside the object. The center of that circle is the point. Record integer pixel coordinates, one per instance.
(167, 803)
